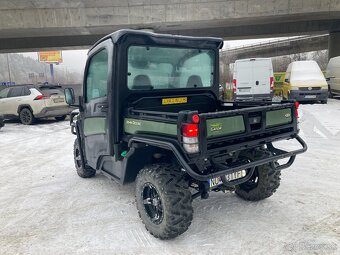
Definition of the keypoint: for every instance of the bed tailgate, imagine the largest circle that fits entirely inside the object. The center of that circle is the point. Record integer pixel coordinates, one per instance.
(264, 123)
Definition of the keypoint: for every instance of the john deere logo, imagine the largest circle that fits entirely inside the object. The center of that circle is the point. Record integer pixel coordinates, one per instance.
(133, 122)
(287, 115)
(216, 127)
(278, 77)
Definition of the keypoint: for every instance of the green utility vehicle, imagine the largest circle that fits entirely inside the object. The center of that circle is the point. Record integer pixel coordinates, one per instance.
(150, 113)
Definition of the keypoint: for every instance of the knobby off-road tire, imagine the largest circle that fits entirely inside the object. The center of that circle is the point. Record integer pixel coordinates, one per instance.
(263, 183)
(162, 191)
(26, 116)
(86, 172)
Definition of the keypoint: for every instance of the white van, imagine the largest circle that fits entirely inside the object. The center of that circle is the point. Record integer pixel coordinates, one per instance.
(306, 82)
(253, 79)
(333, 76)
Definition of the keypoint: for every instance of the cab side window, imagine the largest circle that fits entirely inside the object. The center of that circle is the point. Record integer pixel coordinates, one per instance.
(96, 78)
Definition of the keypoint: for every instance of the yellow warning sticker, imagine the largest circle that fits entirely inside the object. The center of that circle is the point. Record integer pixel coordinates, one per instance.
(175, 100)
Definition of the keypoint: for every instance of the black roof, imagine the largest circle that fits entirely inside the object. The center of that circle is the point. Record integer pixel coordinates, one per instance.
(119, 34)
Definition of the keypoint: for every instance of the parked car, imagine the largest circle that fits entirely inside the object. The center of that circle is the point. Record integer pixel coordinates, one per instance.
(304, 81)
(253, 79)
(28, 103)
(333, 76)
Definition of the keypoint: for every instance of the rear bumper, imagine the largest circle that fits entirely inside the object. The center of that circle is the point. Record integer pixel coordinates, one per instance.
(313, 95)
(255, 97)
(53, 111)
(277, 154)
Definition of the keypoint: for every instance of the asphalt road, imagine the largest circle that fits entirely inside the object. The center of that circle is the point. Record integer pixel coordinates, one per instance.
(45, 208)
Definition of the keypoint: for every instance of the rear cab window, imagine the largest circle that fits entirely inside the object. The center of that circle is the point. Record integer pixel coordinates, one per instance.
(49, 92)
(169, 68)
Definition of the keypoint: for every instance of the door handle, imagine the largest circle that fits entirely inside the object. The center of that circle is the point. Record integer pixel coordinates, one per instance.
(18, 100)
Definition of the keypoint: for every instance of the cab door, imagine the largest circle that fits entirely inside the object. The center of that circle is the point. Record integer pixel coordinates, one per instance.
(95, 106)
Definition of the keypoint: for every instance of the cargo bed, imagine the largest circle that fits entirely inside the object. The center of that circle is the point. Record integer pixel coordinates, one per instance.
(221, 134)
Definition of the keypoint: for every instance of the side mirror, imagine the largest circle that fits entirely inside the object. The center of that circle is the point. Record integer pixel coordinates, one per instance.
(287, 80)
(69, 96)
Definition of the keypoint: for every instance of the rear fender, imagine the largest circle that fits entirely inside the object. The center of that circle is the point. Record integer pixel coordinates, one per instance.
(20, 107)
(142, 153)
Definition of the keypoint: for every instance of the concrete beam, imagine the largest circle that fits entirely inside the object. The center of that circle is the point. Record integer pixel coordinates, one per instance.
(47, 22)
(47, 43)
(278, 48)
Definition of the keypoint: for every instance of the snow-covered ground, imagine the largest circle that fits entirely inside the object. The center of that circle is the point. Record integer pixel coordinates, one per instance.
(45, 208)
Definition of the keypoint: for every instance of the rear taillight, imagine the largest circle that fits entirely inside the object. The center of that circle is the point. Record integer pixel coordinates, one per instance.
(234, 85)
(271, 82)
(297, 104)
(190, 137)
(39, 97)
(195, 118)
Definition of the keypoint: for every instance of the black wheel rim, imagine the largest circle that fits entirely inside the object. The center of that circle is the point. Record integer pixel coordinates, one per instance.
(77, 157)
(26, 117)
(152, 203)
(252, 182)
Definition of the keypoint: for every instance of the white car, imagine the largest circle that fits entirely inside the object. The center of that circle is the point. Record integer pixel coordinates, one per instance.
(28, 103)
(253, 79)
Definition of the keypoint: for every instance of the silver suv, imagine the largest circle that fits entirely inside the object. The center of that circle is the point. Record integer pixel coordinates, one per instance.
(29, 103)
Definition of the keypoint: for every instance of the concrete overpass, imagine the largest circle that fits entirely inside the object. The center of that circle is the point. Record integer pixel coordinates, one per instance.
(36, 24)
(277, 48)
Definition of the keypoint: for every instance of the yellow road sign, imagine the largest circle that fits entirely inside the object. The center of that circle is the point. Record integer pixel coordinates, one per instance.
(50, 56)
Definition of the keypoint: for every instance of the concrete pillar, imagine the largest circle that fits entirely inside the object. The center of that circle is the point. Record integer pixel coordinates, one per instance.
(334, 44)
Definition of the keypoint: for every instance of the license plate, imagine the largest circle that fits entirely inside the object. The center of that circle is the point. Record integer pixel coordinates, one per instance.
(236, 175)
(215, 182)
(229, 177)
(244, 90)
(58, 100)
(310, 96)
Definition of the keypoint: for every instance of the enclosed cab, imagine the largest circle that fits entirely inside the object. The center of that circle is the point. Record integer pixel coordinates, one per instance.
(151, 113)
(333, 76)
(253, 79)
(305, 81)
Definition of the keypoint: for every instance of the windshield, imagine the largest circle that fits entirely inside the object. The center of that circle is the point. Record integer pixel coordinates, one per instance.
(306, 70)
(169, 68)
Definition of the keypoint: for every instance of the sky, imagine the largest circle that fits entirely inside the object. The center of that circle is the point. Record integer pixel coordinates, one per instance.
(74, 60)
